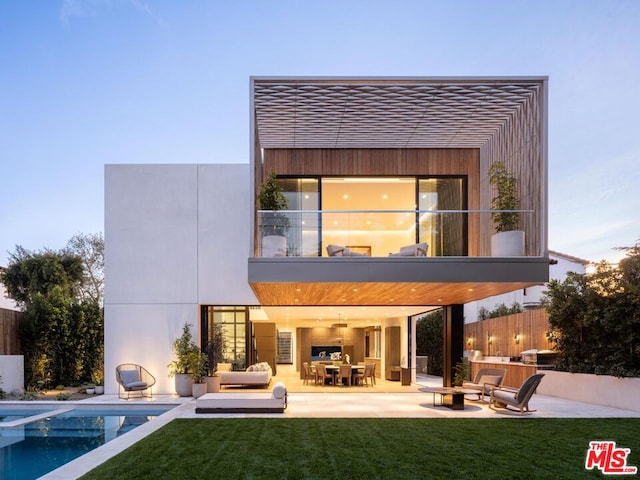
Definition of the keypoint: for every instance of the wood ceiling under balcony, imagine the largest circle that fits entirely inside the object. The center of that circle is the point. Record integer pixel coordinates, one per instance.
(387, 113)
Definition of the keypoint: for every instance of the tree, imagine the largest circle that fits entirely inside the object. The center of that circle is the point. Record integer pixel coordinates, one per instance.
(90, 249)
(596, 318)
(62, 329)
(31, 273)
(429, 341)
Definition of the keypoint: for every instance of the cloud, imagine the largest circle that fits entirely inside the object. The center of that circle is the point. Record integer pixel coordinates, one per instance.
(91, 8)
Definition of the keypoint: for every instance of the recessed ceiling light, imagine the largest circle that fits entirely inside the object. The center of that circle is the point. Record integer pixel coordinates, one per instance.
(413, 289)
(306, 197)
(385, 196)
(355, 289)
(345, 196)
(298, 289)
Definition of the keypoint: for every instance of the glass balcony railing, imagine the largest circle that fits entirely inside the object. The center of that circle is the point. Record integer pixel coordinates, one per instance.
(377, 233)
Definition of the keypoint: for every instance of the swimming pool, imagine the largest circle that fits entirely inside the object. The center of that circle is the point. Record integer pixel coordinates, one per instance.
(36, 444)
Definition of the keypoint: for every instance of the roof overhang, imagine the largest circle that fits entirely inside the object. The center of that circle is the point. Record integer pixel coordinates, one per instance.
(387, 112)
(390, 281)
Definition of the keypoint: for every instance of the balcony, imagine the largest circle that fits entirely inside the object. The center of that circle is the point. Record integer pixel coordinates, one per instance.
(381, 233)
(457, 268)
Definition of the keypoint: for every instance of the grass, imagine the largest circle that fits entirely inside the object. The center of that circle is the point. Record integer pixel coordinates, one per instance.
(359, 448)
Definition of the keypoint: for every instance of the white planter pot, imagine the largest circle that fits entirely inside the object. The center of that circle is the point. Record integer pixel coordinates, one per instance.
(274, 246)
(213, 384)
(183, 384)
(90, 391)
(508, 244)
(99, 389)
(198, 389)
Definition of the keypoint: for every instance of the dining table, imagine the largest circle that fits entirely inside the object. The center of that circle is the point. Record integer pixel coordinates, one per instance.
(335, 369)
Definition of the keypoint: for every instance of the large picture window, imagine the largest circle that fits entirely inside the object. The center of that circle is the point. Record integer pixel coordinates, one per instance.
(376, 216)
(233, 320)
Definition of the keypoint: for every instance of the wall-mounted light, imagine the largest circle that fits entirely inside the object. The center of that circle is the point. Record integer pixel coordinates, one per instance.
(489, 339)
(469, 341)
(516, 338)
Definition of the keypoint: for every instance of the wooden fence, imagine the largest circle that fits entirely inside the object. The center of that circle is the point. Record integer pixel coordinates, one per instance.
(497, 336)
(9, 338)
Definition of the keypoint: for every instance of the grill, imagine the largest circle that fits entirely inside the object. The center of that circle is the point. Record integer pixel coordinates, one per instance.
(539, 357)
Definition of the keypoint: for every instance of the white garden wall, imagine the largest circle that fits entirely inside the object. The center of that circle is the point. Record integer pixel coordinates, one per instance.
(599, 389)
(12, 372)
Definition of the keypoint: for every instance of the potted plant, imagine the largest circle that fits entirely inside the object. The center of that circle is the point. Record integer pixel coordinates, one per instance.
(199, 371)
(461, 374)
(182, 367)
(214, 354)
(508, 241)
(273, 224)
(98, 378)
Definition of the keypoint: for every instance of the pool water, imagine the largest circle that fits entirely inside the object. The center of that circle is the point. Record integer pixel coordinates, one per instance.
(36, 448)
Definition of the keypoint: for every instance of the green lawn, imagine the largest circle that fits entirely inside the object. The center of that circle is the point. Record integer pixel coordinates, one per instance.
(364, 448)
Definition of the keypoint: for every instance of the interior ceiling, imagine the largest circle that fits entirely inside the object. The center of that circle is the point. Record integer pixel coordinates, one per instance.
(314, 316)
(387, 113)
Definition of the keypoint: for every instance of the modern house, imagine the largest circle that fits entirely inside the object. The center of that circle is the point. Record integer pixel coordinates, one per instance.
(388, 217)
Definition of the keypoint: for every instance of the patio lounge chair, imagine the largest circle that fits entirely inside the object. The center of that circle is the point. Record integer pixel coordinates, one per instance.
(417, 250)
(485, 379)
(509, 397)
(340, 251)
(134, 378)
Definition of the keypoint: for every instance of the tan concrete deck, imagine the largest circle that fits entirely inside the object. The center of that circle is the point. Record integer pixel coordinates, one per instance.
(385, 400)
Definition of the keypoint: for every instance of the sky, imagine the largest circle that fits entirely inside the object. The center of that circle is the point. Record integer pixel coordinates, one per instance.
(84, 83)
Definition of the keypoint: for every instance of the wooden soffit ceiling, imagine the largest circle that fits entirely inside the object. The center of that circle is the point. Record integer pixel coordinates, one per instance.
(381, 293)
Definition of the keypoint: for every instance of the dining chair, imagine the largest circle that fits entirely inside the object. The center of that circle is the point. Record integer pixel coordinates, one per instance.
(345, 372)
(360, 377)
(372, 373)
(323, 375)
(309, 373)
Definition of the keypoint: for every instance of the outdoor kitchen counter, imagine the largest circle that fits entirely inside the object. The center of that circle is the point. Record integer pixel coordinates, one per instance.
(517, 372)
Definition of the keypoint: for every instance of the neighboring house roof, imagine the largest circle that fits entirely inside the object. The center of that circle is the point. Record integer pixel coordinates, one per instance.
(571, 258)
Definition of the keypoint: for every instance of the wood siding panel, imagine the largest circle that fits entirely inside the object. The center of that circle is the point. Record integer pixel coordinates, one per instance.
(531, 325)
(9, 338)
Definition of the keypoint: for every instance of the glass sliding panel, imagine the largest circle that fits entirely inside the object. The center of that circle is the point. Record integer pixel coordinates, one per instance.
(445, 232)
(374, 216)
(233, 322)
(302, 195)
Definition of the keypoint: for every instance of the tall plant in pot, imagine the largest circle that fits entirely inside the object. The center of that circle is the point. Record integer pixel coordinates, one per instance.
(273, 223)
(214, 355)
(181, 368)
(198, 375)
(508, 241)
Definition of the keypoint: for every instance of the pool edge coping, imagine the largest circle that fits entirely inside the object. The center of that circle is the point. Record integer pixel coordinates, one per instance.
(90, 460)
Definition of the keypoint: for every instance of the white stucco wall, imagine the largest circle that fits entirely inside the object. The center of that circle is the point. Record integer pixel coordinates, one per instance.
(6, 302)
(12, 372)
(176, 236)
